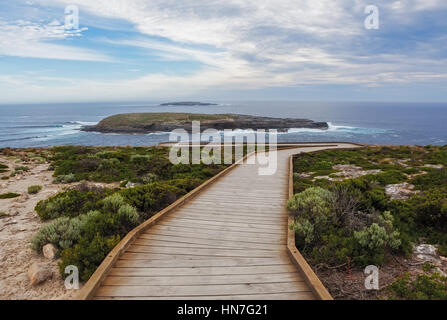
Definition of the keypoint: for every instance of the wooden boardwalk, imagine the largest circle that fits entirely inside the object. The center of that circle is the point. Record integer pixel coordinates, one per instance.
(228, 242)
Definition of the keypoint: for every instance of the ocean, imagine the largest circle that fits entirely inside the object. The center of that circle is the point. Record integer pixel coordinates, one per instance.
(361, 122)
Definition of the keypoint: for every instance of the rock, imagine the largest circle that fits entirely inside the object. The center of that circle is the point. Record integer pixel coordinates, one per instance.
(441, 272)
(426, 249)
(131, 184)
(39, 273)
(349, 171)
(401, 191)
(434, 166)
(49, 251)
(427, 253)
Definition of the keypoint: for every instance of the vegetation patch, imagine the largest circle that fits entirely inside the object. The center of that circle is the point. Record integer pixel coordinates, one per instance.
(34, 189)
(420, 287)
(9, 195)
(353, 222)
(86, 222)
(73, 202)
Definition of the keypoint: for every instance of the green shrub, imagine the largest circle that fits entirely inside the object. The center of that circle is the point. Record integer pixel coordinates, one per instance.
(68, 178)
(34, 189)
(312, 201)
(387, 177)
(88, 254)
(424, 287)
(433, 179)
(149, 178)
(9, 195)
(62, 232)
(431, 210)
(113, 203)
(21, 169)
(72, 203)
(330, 228)
(151, 198)
(128, 216)
(372, 243)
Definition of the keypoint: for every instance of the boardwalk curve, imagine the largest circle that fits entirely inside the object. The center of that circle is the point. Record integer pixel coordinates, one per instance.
(229, 241)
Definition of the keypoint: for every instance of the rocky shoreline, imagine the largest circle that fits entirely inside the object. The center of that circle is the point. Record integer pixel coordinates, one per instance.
(134, 123)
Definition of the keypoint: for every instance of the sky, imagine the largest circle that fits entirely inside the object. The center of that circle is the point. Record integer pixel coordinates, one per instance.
(217, 50)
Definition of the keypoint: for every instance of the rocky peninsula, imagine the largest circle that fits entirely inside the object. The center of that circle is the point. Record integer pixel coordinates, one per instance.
(166, 122)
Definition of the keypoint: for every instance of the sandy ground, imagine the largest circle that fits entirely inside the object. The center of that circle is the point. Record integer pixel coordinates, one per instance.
(16, 230)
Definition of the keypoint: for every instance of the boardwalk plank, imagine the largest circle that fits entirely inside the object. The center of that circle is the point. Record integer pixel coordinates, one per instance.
(193, 290)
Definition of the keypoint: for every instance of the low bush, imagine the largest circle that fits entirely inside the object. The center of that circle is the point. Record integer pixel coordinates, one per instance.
(151, 198)
(34, 189)
(387, 177)
(88, 254)
(63, 232)
(72, 203)
(9, 195)
(423, 287)
(433, 179)
(21, 169)
(67, 178)
(330, 228)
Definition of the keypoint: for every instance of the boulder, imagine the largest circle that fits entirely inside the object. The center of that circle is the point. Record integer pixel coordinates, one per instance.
(49, 251)
(427, 253)
(131, 185)
(400, 191)
(39, 273)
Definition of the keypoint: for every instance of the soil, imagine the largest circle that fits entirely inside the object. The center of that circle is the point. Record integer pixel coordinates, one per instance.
(18, 224)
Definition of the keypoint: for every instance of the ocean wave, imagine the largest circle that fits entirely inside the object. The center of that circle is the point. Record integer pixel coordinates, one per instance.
(37, 126)
(81, 123)
(20, 139)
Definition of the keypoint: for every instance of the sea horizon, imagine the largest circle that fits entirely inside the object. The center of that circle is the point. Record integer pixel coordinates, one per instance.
(383, 123)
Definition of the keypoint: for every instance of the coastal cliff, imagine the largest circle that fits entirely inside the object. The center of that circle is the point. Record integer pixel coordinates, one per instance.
(165, 122)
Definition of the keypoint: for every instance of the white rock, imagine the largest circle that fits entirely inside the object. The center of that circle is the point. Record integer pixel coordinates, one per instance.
(427, 253)
(39, 273)
(49, 251)
(426, 249)
(131, 185)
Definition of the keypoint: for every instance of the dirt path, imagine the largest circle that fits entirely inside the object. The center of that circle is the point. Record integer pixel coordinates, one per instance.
(16, 230)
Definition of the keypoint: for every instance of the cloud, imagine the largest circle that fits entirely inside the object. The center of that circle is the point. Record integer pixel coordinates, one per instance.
(37, 40)
(242, 44)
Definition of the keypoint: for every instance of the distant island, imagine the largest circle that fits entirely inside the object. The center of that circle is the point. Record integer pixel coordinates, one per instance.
(188, 103)
(165, 122)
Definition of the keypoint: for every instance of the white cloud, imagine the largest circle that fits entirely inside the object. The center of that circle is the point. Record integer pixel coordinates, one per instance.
(36, 40)
(242, 44)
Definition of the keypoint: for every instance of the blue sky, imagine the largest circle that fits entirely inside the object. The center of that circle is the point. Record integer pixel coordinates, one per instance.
(140, 50)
